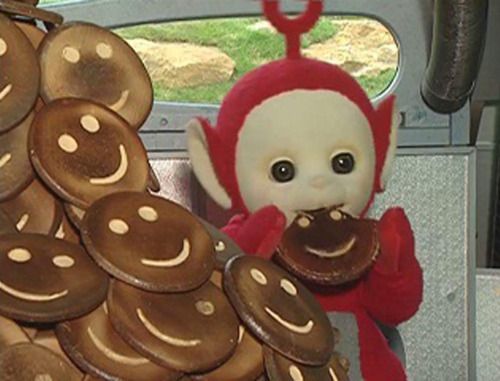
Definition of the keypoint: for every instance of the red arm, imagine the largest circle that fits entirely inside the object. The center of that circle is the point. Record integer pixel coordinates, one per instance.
(258, 233)
(392, 291)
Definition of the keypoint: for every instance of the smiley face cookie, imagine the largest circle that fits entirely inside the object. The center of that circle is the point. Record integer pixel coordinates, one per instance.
(225, 248)
(46, 280)
(101, 66)
(192, 331)
(279, 310)
(280, 368)
(30, 362)
(28, 216)
(84, 151)
(16, 172)
(149, 242)
(93, 344)
(329, 247)
(18, 88)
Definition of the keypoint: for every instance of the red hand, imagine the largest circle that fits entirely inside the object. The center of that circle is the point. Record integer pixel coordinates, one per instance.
(261, 233)
(396, 238)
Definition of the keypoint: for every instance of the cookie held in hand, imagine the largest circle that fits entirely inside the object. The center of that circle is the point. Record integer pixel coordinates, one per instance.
(328, 247)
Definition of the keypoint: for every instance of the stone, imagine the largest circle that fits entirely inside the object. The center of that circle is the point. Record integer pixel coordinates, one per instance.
(181, 65)
(262, 25)
(362, 47)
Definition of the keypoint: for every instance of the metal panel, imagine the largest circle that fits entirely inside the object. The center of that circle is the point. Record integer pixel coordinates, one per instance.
(436, 187)
(409, 20)
(488, 325)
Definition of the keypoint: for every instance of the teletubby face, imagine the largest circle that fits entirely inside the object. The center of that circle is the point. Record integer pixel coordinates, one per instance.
(318, 152)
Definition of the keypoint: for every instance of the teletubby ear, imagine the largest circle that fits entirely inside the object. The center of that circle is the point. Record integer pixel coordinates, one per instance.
(389, 109)
(198, 134)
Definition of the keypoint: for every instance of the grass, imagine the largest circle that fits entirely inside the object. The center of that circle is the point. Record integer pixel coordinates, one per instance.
(248, 48)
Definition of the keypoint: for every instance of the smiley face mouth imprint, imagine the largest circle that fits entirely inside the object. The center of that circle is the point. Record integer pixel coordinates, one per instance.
(118, 105)
(332, 374)
(31, 297)
(5, 159)
(112, 355)
(163, 337)
(178, 260)
(5, 91)
(21, 224)
(333, 254)
(303, 330)
(118, 174)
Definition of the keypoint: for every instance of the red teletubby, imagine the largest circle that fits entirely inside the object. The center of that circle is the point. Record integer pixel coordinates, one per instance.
(282, 134)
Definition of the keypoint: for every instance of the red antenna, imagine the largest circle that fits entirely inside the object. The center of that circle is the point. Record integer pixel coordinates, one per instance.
(293, 28)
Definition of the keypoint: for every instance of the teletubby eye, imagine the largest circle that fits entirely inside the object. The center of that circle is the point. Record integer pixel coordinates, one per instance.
(283, 171)
(343, 163)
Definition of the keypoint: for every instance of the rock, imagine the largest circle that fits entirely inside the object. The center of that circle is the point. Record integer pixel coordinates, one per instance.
(179, 65)
(362, 47)
(262, 25)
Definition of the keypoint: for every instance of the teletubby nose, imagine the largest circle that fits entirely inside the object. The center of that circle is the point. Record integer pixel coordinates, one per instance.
(318, 181)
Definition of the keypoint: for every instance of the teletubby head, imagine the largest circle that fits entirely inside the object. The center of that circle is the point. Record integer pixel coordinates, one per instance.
(297, 133)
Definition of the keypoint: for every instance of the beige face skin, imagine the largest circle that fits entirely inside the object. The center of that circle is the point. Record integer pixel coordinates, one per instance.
(307, 128)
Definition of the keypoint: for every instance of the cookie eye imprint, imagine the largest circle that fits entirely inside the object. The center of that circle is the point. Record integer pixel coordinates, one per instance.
(71, 54)
(343, 163)
(205, 307)
(148, 213)
(283, 171)
(63, 261)
(258, 276)
(104, 50)
(288, 287)
(304, 222)
(19, 255)
(220, 246)
(3, 47)
(90, 123)
(118, 226)
(336, 215)
(67, 143)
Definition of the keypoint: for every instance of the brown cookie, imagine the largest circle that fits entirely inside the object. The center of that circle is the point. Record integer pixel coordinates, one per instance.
(25, 9)
(28, 215)
(279, 310)
(67, 232)
(329, 247)
(6, 225)
(47, 280)
(148, 241)
(280, 368)
(20, 79)
(225, 248)
(16, 172)
(101, 67)
(30, 362)
(10, 334)
(93, 344)
(35, 35)
(84, 151)
(193, 331)
(246, 363)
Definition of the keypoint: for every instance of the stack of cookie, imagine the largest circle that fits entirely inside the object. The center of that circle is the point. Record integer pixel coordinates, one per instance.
(100, 279)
